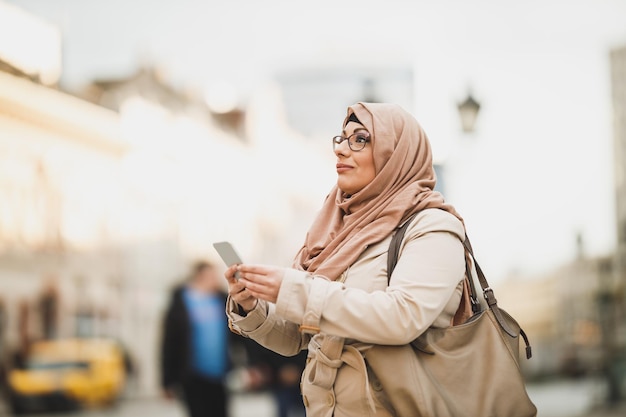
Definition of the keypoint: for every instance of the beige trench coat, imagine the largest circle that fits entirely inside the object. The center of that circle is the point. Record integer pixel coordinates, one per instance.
(338, 321)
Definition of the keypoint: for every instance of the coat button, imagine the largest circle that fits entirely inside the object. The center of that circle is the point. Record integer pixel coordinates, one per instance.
(330, 399)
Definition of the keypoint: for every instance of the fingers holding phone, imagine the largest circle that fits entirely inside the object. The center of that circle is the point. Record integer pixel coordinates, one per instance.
(238, 292)
(231, 275)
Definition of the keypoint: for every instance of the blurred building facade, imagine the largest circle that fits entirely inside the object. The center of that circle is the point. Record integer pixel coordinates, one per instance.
(109, 206)
(614, 293)
(618, 82)
(106, 195)
(561, 313)
(68, 218)
(576, 315)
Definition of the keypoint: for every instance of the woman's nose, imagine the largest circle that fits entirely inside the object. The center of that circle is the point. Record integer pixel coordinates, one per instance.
(343, 148)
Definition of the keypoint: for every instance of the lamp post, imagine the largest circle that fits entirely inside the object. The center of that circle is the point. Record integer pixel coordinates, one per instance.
(468, 112)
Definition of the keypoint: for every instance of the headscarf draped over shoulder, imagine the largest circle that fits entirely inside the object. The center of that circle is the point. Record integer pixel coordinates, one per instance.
(404, 184)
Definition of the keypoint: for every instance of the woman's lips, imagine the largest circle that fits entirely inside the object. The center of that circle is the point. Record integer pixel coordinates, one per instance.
(343, 168)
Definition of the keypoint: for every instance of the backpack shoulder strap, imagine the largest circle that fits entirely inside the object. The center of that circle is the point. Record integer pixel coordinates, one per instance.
(394, 246)
(394, 251)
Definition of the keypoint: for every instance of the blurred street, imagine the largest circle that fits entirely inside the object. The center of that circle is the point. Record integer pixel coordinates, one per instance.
(580, 398)
(243, 405)
(572, 398)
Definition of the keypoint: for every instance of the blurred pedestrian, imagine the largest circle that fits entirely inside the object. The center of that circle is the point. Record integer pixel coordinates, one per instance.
(25, 337)
(4, 320)
(280, 375)
(48, 308)
(335, 301)
(195, 344)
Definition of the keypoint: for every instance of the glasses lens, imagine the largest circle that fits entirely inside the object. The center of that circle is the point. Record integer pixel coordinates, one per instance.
(357, 141)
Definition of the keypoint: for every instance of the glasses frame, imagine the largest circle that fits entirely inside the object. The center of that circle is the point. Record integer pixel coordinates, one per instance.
(354, 147)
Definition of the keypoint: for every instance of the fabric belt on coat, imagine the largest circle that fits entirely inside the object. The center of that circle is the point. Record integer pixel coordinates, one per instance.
(329, 357)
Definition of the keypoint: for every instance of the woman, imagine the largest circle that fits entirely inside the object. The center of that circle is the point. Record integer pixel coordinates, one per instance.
(335, 301)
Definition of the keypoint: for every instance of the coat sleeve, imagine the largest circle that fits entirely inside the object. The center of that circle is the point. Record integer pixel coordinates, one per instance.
(268, 329)
(424, 290)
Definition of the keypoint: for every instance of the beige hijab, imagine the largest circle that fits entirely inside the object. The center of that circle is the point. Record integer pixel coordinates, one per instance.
(404, 182)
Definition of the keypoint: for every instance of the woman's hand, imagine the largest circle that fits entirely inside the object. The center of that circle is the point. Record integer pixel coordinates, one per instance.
(262, 281)
(238, 292)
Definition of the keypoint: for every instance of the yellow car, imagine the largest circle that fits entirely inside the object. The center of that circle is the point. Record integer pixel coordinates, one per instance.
(66, 374)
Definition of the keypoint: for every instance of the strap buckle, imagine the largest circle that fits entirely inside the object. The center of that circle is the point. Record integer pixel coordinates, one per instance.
(489, 296)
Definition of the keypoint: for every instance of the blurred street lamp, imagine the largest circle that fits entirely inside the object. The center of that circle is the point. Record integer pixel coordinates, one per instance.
(468, 111)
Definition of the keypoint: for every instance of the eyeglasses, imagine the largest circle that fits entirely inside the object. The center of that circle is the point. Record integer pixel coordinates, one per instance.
(356, 141)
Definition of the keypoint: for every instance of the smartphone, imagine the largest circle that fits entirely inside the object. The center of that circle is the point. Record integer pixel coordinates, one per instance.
(228, 254)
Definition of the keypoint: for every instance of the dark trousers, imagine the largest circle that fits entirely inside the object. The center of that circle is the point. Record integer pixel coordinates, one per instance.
(205, 397)
(289, 401)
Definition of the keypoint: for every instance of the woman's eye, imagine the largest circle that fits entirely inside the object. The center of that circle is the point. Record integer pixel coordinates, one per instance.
(361, 139)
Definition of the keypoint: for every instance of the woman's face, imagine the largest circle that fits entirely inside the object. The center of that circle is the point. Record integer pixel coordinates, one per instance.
(355, 169)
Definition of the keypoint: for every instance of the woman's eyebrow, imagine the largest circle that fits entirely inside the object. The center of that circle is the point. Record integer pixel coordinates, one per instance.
(358, 129)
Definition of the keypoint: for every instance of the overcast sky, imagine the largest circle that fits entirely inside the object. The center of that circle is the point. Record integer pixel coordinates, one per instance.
(539, 168)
